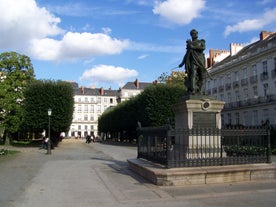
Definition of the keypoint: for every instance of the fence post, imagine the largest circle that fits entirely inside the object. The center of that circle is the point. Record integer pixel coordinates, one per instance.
(139, 127)
(268, 128)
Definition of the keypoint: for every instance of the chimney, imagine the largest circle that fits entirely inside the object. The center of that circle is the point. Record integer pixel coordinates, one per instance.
(136, 83)
(102, 91)
(265, 34)
(235, 48)
(82, 90)
(155, 82)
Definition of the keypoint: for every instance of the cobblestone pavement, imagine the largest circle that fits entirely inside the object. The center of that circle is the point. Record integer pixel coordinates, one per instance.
(80, 174)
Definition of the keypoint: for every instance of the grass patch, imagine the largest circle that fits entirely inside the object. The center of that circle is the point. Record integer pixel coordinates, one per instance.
(8, 152)
(28, 143)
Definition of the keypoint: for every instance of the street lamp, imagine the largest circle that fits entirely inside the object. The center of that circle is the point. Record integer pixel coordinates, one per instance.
(49, 137)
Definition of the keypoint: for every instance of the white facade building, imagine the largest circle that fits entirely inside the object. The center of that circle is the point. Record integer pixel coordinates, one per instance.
(90, 103)
(246, 81)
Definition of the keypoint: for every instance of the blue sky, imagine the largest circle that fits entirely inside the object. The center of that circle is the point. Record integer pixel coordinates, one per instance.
(106, 43)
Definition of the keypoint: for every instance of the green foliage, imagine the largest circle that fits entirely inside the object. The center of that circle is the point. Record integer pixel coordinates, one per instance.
(152, 108)
(42, 95)
(176, 78)
(16, 72)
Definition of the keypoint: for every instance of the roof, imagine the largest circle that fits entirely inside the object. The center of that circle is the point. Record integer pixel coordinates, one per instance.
(251, 48)
(94, 92)
(132, 86)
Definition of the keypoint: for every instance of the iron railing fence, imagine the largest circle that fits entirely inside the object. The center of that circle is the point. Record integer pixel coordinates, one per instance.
(204, 146)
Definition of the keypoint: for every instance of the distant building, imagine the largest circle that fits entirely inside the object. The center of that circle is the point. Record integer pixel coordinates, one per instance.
(245, 78)
(90, 103)
(131, 89)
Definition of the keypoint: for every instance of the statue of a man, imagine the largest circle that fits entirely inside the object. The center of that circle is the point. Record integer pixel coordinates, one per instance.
(194, 61)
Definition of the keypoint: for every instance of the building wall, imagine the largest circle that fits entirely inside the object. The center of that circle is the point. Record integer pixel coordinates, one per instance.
(87, 110)
(247, 83)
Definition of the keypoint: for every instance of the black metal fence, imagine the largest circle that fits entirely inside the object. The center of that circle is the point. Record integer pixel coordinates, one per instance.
(204, 146)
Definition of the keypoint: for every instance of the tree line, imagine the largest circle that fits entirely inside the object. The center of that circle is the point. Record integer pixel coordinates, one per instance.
(152, 107)
(24, 101)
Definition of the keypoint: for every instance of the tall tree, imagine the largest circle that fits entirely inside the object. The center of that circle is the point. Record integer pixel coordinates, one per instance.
(16, 72)
(42, 95)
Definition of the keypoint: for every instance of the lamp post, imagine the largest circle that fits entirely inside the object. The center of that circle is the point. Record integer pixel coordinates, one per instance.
(49, 136)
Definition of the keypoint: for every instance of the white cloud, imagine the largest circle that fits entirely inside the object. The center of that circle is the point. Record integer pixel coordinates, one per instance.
(252, 24)
(22, 21)
(27, 28)
(108, 74)
(75, 46)
(179, 11)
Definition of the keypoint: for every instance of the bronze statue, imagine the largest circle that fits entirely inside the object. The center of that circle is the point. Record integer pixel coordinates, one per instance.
(194, 61)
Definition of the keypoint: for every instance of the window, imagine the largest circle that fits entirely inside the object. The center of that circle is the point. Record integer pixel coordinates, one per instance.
(221, 81)
(245, 118)
(265, 115)
(99, 100)
(229, 118)
(237, 118)
(79, 127)
(229, 78)
(91, 118)
(254, 70)
(266, 91)
(91, 127)
(99, 109)
(85, 117)
(92, 99)
(92, 108)
(79, 99)
(111, 100)
(79, 108)
(255, 118)
(245, 94)
(237, 94)
(264, 67)
(236, 75)
(245, 73)
(229, 97)
(85, 108)
(255, 91)
(86, 99)
(105, 100)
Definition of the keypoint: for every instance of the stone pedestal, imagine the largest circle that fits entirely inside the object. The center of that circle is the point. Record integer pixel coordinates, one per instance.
(199, 112)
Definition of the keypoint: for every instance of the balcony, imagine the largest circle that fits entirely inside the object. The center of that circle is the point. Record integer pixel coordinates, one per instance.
(253, 79)
(273, 73)
(264, 76)
(221, 88)
(208, 92)
(244, 82)
(235, 84)
(228, 86)
(214, 90)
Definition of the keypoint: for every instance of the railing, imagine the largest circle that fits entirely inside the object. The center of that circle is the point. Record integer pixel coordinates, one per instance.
(204, 146)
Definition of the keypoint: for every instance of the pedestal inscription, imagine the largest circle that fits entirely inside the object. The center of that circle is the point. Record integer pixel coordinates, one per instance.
(204, 119)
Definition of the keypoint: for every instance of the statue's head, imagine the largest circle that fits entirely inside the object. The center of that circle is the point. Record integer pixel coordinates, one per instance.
(193, 31)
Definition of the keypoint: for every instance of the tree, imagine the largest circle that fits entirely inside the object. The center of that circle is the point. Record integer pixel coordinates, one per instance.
(176, 78)
(16, 72)
(42, 95)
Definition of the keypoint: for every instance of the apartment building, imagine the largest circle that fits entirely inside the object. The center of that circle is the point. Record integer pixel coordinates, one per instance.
(131, 89)
(245, 78)
(90, 103)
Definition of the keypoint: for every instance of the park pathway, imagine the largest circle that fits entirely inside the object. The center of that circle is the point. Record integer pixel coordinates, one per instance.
(96, 174)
